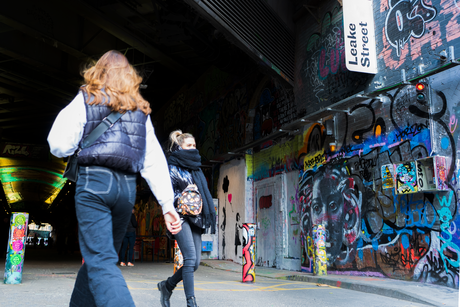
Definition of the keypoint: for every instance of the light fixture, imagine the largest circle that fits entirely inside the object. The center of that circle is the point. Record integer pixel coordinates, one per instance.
(332, 146)
(421, 89)
(420, 86)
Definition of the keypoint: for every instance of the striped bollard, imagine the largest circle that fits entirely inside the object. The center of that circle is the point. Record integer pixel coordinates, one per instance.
(16, 248)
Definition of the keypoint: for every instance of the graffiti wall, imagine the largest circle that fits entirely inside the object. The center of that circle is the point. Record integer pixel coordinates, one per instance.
(150, 221)
(292, 245)
(268, 195)
(413, 38)
(278, 207)
(321, 75)
(376, 226)
(225, 112)
(231, 195)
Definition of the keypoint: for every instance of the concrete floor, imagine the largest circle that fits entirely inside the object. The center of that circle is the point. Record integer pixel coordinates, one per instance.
(48, 280)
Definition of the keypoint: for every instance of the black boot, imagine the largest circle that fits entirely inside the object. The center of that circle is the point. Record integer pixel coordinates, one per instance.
(165, 294)
(191, 302)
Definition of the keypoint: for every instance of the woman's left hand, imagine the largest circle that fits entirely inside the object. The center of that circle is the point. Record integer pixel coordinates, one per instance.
(172, 221)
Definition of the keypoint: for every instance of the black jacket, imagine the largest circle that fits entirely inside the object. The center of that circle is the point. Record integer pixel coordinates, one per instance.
(132, 225)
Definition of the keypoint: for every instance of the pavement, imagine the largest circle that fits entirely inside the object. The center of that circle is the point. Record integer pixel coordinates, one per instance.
(48, 280)
(422, 293)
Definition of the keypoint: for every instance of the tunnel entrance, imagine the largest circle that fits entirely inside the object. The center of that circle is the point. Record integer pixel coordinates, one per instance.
(43, 49)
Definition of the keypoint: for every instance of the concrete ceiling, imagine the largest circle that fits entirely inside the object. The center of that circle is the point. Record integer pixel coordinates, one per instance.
(44, 45)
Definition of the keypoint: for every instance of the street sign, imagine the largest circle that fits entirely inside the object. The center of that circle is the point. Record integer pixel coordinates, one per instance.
(359, 33)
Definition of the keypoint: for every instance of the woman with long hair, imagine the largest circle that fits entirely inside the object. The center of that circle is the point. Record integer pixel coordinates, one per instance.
(106, 185)
(184, 169)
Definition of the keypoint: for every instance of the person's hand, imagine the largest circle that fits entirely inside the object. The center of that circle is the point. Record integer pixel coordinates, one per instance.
(172, 221)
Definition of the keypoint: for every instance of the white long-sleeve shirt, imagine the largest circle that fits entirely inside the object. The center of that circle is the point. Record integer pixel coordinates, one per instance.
(67, 131)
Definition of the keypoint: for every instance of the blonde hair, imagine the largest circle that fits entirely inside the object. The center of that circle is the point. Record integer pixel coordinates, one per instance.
(120, 81)
(177, 137)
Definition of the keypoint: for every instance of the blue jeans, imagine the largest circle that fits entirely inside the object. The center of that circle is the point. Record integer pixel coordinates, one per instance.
(104, 199)
(189, 241)
(129, 239)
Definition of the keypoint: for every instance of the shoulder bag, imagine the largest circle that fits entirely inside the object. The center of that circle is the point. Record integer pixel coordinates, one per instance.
(71, 169)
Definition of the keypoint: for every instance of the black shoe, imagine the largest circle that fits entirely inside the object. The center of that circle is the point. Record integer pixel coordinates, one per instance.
(165, 294)
(191, 302)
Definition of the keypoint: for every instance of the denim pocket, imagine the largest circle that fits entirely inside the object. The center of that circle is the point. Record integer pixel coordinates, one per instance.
(131, 186)
(98, 180)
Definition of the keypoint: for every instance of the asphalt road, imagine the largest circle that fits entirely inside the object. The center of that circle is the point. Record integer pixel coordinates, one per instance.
(49, 282)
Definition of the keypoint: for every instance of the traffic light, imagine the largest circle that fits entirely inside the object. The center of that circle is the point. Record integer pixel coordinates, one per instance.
(420, 88)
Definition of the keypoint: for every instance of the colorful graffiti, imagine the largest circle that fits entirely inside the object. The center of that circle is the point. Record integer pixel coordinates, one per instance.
(320, 258)
(405, 20)
(371, 227)
(275, 108)
(178, 258)
(406, 178)
(249, 252)
(16, 248)
(323, 71)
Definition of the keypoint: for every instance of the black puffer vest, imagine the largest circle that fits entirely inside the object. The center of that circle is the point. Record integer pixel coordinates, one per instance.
(121, 147)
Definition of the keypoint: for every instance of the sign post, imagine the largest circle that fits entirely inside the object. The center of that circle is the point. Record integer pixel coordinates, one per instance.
(359, 33)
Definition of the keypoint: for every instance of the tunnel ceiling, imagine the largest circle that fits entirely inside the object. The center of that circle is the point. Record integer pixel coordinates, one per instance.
(43, 46)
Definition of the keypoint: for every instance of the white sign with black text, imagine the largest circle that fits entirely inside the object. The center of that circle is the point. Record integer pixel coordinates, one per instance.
(358, 26)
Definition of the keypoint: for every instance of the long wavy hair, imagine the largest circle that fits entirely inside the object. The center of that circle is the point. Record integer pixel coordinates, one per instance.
(120, 81)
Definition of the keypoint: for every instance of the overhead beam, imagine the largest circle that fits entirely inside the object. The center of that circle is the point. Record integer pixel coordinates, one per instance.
(56, 90)
(28, 96)
(311, 13)
(55, 73)
(23, 117)
(12, 22)
(103, 21)
(28, 124)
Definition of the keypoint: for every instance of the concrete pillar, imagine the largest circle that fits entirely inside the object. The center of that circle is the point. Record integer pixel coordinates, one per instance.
(16, 248)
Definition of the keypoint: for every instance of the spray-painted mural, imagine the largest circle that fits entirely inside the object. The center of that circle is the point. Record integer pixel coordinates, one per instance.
(224, 112)
(150, 223)
(322, 75)
(274, 109)
(415, 36)
(16, 248)
(249, 252)
(232, 210)
(373, 228)
(379, 219)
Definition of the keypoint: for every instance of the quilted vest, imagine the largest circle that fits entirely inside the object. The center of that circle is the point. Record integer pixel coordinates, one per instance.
(121, 147)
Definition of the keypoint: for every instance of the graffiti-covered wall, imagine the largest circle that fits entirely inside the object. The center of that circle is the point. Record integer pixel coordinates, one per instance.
(379, 221)
(232, 209)
(225, 112)
(414, 36)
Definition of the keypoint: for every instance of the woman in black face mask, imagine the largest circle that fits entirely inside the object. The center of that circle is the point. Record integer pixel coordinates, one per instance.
(194, 204)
